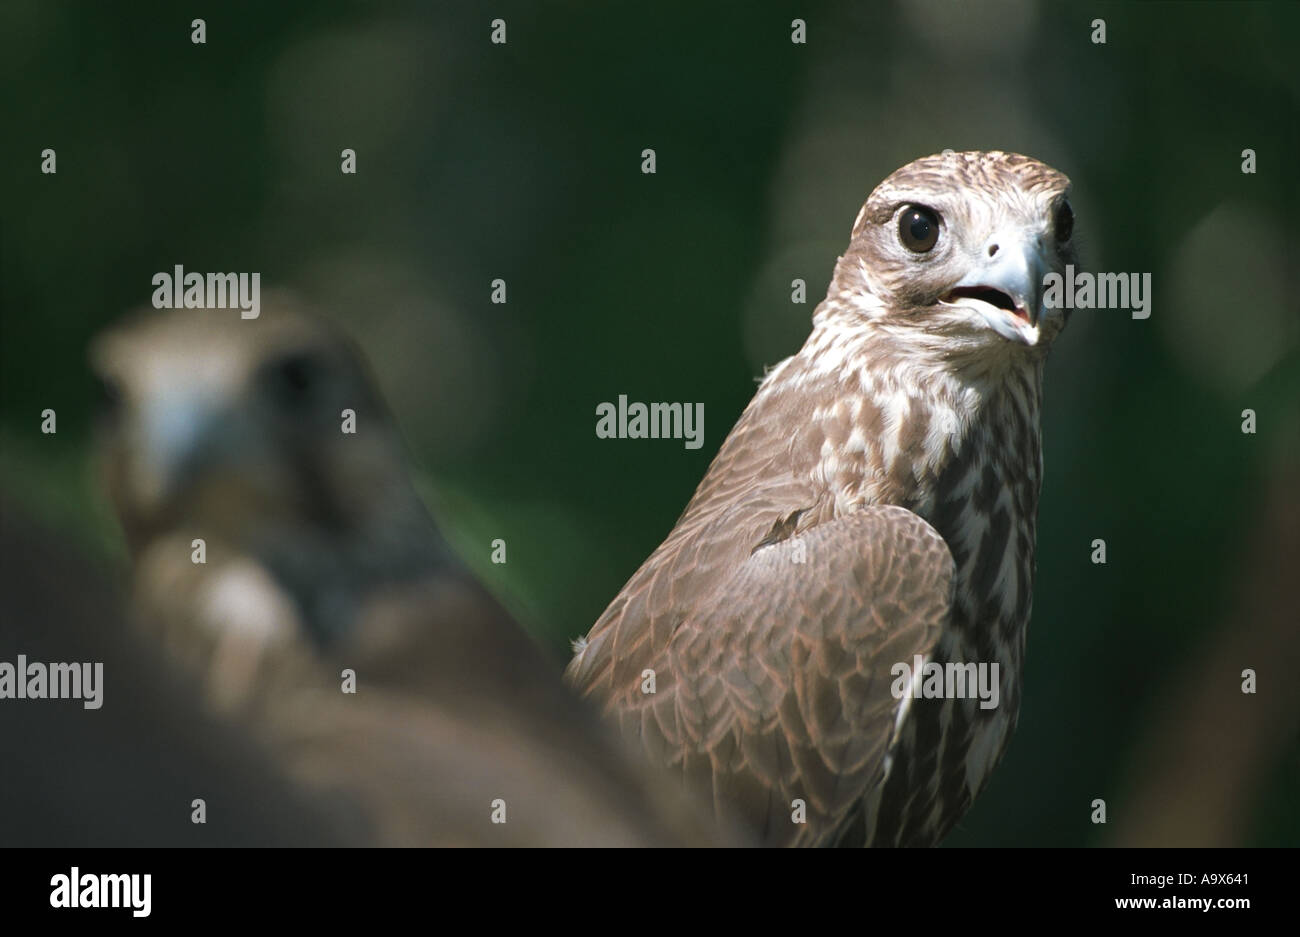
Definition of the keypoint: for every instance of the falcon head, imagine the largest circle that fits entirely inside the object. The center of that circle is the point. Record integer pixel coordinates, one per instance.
(954, 247)
(236, 425)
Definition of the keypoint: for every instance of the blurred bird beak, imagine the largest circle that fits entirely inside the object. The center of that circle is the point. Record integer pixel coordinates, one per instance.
(176, 434)
(1007, 290)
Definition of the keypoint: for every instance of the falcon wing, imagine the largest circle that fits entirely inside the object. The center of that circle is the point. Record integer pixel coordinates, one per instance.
(777, 686)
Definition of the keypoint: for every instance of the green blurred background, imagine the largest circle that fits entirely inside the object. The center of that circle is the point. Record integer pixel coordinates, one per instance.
(478, 161)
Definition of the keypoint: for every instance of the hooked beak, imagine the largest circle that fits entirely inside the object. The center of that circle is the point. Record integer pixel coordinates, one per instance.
(1007, 290)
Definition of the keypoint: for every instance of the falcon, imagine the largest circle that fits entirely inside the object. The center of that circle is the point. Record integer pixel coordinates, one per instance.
(319, 559)
(874, 504)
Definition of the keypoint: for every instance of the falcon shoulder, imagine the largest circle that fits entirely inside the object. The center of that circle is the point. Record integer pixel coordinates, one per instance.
(758, 488)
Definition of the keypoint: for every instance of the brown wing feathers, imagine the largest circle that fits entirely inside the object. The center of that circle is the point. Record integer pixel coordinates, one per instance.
(778, 687)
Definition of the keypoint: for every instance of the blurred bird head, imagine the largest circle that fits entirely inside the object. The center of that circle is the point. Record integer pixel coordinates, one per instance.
(238, 424)
(951, 251)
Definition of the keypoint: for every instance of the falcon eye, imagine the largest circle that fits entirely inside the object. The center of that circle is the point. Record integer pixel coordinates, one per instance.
(1064, 222)
(918, 228)
(294, 378)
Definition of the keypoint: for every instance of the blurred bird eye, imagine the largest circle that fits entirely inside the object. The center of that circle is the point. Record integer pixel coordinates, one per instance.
(1064, 222)
(295, 377)
(107, 398)
(918, 228)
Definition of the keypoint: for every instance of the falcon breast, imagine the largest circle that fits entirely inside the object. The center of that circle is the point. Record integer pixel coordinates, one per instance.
(875, 503)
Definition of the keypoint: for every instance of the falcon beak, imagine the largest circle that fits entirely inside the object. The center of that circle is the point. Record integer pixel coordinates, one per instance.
(1007, 289)
(170, 437)
(179, 435)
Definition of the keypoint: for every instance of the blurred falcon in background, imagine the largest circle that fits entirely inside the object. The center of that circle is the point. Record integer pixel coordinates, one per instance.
(127, 773)
(321, 556)
(875, 502)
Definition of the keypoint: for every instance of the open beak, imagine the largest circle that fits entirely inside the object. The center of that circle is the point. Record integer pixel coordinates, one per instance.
(1007, 290)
